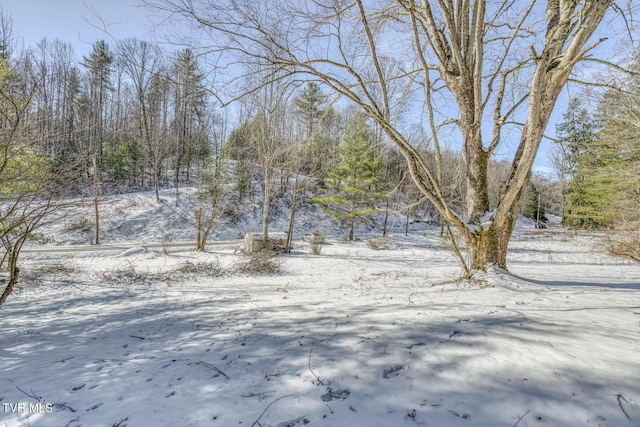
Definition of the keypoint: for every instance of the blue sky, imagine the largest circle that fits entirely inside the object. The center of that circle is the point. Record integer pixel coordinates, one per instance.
(67, 20)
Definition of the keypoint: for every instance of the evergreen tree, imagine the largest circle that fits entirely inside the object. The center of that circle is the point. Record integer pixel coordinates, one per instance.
(589, 198)
(620, 138)
(310, 105)
(311, 109)
(576, 134)
(99, 64)
(354, 183)
(189, 104)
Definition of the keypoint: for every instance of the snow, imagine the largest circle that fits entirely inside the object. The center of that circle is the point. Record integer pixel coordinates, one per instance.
(163, 336)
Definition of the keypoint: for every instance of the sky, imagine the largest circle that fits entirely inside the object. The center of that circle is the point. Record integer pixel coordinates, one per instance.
(75, 21)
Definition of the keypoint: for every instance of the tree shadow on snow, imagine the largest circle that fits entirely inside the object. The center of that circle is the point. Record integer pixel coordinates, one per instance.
(226, 355)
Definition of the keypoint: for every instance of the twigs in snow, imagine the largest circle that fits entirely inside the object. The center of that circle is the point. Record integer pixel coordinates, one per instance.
(311, 370)
(41, 400)
(119, 423)
(32, 395)
(621, 398)
(257, 422)
(210, 366)
(520, 419)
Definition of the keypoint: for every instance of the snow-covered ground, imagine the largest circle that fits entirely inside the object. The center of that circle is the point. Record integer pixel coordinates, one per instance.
(351, 337)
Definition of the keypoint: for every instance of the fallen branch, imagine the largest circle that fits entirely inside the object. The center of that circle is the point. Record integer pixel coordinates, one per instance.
(257, 422)
(63, 406)
(32, 395)
(42, 401)
(520, 419)
(119, 423)
(210, 366)
(311, 370)
(134, 336)
(620, 398)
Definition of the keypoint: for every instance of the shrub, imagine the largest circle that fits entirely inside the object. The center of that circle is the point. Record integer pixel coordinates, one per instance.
(316, 242)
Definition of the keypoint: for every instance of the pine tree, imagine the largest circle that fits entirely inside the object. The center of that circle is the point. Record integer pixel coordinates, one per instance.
(620, 136)
(590, 195)
(354, 183)
(99, 64)
(310, 105)
(189, 103)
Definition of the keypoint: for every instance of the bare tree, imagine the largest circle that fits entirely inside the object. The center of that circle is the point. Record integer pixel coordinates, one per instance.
(215, 183)
(482, 67)
(266, 138)
(142, 62)
(7, 35)
(212, 195)
(29, 192)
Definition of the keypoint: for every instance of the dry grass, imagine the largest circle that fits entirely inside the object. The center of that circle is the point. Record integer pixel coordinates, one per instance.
(378, 244)
(258, 265)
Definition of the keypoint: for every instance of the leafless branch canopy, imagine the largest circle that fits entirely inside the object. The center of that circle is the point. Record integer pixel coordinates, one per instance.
(480, 65)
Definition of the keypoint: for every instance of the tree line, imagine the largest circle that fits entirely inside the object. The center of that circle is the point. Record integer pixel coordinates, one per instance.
(132, 108)
(597, 162)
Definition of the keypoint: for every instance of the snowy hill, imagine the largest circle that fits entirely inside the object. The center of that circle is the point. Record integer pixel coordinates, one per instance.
(137, 217)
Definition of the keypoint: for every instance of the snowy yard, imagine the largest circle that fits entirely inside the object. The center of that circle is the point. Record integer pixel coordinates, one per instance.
(352, 337)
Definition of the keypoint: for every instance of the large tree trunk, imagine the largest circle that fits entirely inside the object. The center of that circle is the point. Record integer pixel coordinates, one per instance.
(477, 186)
(489, 246)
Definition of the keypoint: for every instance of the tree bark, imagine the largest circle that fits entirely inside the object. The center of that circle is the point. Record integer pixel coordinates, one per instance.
(477, 186)
(351, 227)
(292, 217)
(199, 245)
(156, 182)
(95, 202)
(14, 272)
(266, 198)
(489, 246)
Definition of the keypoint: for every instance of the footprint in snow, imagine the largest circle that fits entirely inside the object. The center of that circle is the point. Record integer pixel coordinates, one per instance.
(455, 334)
(392, 371)
(338, 393)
